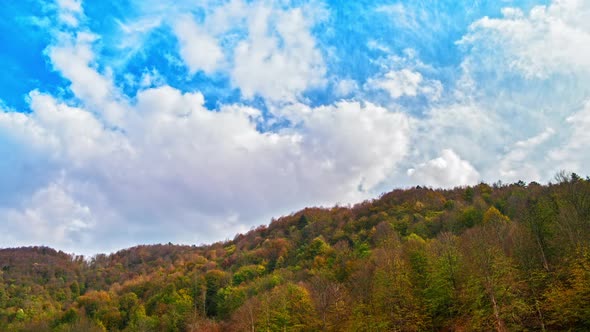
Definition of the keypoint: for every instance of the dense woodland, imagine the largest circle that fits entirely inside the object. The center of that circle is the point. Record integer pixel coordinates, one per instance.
(504, 257)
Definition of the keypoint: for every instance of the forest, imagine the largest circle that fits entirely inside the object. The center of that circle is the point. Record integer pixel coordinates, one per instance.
(501, 257)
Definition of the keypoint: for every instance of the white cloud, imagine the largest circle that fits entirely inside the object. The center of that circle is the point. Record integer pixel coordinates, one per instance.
(168, 168)
(70, 5)
(265, 48)
(70, 11)
(532, 71)
(134, 37)
(151, 78)
(448, 170)
(525, 160)
(50, 217)
(175, 164)
(23, 129)
(469, 129)
(400, 15)
(364, 142)
(573, 154)
(393, 9)
(199, 50)
(279, 60)
(345, 87)
(406, 82)
(232, 15)
(78, 135)
(549, 39)
(74, 58)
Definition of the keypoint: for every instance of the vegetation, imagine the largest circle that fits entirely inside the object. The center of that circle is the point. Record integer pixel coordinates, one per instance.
(503, 257)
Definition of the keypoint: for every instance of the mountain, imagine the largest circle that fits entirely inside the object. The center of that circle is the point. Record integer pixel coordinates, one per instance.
(510, 257)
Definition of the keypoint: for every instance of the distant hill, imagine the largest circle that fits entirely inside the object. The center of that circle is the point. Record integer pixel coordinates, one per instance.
(504, 257)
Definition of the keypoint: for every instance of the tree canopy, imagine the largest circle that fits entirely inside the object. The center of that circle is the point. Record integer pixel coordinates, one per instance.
(510, 257)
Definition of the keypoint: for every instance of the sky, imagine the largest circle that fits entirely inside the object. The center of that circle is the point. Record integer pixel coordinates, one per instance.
(153, 121)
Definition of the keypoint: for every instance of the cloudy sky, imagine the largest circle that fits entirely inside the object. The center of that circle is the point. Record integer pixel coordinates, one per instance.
(148, 121)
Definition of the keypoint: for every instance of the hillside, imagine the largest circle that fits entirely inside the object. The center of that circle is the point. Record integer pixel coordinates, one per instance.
(503, 257)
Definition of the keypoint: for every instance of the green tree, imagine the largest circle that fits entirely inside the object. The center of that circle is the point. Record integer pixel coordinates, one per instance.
(568, 302)
(394, 293)
(444, 280)
(287, 308)
(214, 280)
(493, 286)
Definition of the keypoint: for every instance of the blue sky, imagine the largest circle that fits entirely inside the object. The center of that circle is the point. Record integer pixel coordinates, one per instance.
(148, 121)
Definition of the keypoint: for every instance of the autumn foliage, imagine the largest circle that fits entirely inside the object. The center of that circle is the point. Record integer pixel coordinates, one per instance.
(484, 258)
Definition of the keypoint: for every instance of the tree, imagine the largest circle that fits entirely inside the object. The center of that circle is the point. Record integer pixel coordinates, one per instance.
(573, 220)
(100, 306)
(140, 322)
(568, 302)
(539, 223)
(128, 304)
(287, 308)
(444, 280)
(394, 295)
(329, 298)
(492, 215)
(492, 279)
(75, 289)
(229, 299)
(246, 273)
(246, 316)
(214, 280)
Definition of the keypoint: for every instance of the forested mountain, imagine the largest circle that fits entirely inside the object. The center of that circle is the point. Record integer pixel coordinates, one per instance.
(503, 257)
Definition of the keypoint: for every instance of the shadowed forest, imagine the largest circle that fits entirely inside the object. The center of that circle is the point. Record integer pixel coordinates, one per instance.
(502, 257)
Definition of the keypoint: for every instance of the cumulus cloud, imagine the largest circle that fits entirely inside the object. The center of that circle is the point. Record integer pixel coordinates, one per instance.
(364, 141)
(168, 162)
(164, 158)
(70, 11)
(406, 82)
(548, 39)
(265, 48)
(151, 78)
(178, 160)
(279, 60)
(74, 58)
(199, 50)
(572, 155)
(530, 67)
(345, 87)
(447, 170)
(531, 70)
(49, 217)
(526, 161)
(468, 128)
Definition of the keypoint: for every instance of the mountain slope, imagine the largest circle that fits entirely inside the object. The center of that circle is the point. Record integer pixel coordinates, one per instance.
(503, 257)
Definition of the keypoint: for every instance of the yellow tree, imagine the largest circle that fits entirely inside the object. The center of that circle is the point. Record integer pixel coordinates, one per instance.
(287, 308)
(394, 293)
(493, 285)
